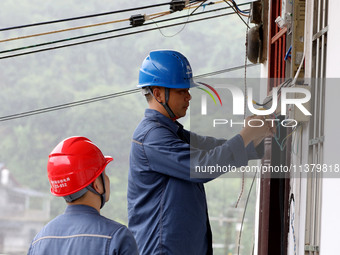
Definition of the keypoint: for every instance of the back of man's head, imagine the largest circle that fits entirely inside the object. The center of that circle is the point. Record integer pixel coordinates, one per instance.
(73, 165)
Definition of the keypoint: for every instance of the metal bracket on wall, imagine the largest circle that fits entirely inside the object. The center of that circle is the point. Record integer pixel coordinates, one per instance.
(320, 33)
(312, 248)
(298, 35)
(316, 140)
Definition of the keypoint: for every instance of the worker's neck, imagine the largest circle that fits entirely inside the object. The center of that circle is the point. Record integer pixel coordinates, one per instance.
(88, 199)
(158, 107)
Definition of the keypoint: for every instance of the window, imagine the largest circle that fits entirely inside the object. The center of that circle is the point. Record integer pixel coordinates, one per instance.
(318, 49)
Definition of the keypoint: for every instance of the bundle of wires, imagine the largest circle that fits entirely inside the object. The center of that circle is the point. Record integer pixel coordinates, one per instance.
(141, 22)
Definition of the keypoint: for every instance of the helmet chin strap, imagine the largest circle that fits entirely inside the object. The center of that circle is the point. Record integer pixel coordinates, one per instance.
(165, 105)
(103, 195)
(74, 196)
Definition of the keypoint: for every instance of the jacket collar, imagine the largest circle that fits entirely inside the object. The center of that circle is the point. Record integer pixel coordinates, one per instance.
(157, 116)
(71, 209)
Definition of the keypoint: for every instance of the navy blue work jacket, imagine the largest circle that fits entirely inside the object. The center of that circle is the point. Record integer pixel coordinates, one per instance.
(82, 230)
(167, 209)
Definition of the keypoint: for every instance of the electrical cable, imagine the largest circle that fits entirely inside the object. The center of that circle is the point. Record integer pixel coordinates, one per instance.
(284, 84)
(245, 102)
(292, 219)
(88, 26)
(63, 30)
(298, 71)
(91, 100)
(84, 17)
(226, 1)
(236, 6)
(98, 24)
(282, 145)
(296, 151)
(188, 16)
(67, 105)
(244, 214)
(159, 14)
(225, 70)
(293, 131)
(197, 7)
(111, 37)
(241, 192)
(105, 32)
(245, 71)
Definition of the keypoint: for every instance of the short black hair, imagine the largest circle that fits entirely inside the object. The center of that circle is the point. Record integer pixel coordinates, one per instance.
(146, 91)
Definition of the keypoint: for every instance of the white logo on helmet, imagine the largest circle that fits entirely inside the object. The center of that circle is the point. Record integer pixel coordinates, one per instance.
(188, 70)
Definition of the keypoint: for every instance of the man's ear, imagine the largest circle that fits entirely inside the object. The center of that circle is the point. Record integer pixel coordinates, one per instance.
(158, 93)
(97, 185)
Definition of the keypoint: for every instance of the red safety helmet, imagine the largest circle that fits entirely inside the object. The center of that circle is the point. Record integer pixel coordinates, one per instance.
(74, 164)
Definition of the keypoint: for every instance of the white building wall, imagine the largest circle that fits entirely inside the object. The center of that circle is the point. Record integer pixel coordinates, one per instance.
(297, 221)
(330, 211)
(330, 220)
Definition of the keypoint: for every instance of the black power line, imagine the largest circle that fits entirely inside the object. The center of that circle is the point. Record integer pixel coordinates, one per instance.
(225, 70)
(235, 10)
(108, 31)
(84, 17)
(99, 98)
(95, 15)
(244, 214)
(67, 105)
(115, 36)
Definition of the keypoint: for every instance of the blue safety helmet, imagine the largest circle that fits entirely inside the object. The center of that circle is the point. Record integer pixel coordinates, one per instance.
(166, 68)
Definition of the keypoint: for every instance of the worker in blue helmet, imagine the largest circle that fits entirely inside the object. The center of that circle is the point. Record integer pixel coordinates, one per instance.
(167, 208)
(175, 74)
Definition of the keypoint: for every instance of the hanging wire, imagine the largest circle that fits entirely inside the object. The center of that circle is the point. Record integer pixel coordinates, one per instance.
(63, 30)
(100, 14)
(285, 84)
(282, 145)
(236, 6)
(106, 23)
(147, 17)
(84, 17)
(189, 15)
(160, 30)
(159, 14)
(277, 135)
(244, 214)
(297, 141)
(91, 100)
(68, 105)
(238, 14)
(103, 38)
(225, 70)
(245, 102)
(292, 218)
(104, 32)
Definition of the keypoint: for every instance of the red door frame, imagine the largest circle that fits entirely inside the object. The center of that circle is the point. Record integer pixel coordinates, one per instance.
(271, 216)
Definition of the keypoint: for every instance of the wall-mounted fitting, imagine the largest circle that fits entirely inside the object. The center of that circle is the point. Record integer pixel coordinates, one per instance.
(177, 5)
(256, 12)
(137, 20)
(254, 43)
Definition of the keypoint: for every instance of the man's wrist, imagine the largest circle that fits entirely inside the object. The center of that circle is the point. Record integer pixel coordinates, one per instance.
(246, 138)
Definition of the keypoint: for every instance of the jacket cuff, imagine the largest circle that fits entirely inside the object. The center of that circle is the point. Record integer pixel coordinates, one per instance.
(239, 151)
(255, 152)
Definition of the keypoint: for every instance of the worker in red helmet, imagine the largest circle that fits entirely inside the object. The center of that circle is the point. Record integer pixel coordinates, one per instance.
(76, 172)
